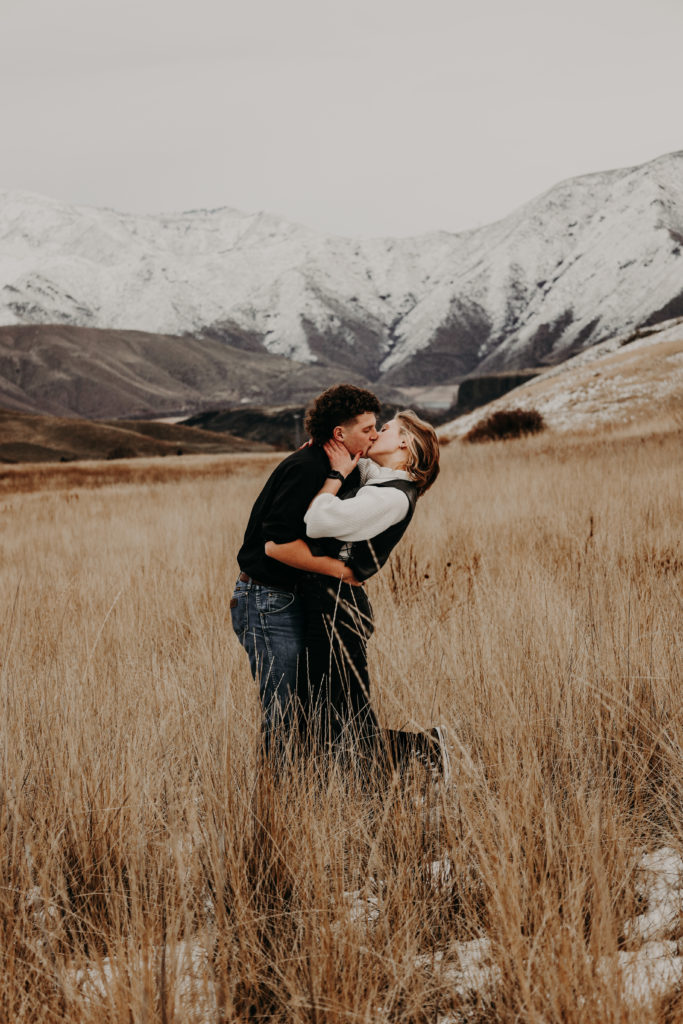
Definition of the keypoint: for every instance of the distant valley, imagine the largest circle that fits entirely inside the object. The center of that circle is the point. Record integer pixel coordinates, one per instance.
(99, 374)
(31, 438)
(632, 383)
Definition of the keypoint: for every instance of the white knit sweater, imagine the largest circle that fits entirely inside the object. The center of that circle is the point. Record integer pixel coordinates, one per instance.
(371, 511)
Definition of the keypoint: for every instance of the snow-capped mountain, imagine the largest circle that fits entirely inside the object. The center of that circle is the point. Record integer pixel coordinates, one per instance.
(592, 257)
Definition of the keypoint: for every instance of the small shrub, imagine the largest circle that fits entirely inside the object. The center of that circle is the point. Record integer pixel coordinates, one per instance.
(121, 451)
(507, 423)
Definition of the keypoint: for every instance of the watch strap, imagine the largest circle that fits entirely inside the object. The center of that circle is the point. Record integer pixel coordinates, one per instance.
(334, 474)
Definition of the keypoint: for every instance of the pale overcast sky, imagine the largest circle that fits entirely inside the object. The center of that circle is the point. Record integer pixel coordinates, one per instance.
(363, 117)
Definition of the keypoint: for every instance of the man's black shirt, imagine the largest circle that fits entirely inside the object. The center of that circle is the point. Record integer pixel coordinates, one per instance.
(278, 513)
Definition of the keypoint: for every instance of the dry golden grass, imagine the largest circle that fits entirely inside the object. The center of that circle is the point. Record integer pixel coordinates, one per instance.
(42, 476)
(151, 872)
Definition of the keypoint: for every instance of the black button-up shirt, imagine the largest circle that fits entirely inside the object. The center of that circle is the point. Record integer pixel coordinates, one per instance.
(278, 513)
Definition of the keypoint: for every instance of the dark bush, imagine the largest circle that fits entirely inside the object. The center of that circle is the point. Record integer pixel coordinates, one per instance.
(121, 451)
(507, 423)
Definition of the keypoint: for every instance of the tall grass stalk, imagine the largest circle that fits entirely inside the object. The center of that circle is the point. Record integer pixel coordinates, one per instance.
(153, 870)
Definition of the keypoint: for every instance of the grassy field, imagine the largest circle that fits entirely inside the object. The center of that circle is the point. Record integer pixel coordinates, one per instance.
(150, 872)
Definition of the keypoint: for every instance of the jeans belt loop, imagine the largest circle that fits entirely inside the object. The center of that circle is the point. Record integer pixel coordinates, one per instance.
(244, 578)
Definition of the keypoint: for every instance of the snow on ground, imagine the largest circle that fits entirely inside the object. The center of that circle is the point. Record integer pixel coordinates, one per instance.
(648, 973)
(655, 966)
(361, 909)
(649, 970)
(622, 381)
(187, 968)
(661, 885)
(468, 971)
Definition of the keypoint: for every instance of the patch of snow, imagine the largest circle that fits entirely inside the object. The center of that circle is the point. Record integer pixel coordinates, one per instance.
(655, 968)
(645, 974)
(467, 970)
(362, 910)
(648, 974)
(188, 969)
(661, 882)
(441, 871)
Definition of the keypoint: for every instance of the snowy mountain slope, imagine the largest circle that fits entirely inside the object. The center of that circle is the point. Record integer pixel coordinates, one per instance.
(631, 381)
(303, 295)
(592, 257)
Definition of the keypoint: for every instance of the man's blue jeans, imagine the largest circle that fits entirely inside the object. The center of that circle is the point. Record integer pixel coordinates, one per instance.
(269, 624)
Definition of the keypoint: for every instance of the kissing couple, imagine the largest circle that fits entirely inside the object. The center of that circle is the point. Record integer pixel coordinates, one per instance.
(327, 519)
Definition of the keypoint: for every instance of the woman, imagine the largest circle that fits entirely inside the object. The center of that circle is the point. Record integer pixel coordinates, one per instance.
(350, 540)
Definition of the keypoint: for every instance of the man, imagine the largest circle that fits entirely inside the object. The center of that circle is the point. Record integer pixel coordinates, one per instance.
(267, 613)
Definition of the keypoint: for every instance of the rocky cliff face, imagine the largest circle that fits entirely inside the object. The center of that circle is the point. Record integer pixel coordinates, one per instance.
(592, 257)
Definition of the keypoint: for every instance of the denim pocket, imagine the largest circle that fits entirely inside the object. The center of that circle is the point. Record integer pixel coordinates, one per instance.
(270, 602)
(238, 613)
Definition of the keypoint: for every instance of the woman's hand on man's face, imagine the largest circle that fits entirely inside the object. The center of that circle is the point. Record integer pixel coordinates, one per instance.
(339, 457)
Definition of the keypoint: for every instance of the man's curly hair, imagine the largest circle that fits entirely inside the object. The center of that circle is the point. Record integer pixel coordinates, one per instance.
(336, 406)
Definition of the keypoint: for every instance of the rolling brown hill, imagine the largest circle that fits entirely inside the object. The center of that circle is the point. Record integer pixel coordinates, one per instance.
(104, 374)
(28, 438)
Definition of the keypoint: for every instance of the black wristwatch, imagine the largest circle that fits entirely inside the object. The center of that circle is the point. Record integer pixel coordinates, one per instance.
(334, 474)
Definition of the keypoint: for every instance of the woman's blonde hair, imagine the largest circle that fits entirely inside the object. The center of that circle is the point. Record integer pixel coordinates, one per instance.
(423, 449)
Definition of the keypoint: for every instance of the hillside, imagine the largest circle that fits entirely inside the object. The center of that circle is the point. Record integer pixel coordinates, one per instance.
(103, 374)
(28, 438)
(633, 382)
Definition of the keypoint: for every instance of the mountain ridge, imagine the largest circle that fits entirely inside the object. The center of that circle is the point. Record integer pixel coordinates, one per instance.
(589, 258)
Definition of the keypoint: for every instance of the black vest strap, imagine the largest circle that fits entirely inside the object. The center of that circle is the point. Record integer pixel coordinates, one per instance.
(368, 556)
